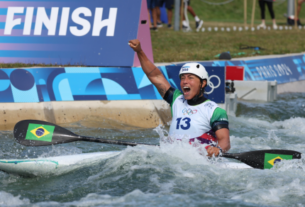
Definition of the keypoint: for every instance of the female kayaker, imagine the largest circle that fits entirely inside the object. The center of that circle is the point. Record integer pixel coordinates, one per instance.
(194, 116)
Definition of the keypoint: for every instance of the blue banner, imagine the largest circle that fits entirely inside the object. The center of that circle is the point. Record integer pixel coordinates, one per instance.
(66, 32)
(283, 69)
(94, 83)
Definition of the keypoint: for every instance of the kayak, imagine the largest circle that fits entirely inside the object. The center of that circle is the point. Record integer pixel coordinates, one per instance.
(63, 164)
(53, 165)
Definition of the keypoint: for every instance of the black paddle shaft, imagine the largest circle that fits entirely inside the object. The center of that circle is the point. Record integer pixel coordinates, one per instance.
(34, 133)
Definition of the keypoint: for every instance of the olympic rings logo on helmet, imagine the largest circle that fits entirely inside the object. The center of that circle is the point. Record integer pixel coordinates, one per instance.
(211, 84)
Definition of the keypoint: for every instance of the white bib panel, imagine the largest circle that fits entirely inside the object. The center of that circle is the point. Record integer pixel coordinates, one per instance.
(191, 121)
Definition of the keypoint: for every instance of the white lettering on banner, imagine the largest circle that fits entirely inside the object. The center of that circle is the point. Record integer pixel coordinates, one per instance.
(279, 70)
(266, 71)
(83, 22)
(287, 69)
(99, 24)
(28, 20)
(273, 71)
(10, 21)
(270, 72)
(283, 69)
(259, 71)
(64, 21)
(50, 22)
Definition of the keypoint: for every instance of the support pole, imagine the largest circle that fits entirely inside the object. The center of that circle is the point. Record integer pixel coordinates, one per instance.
(245, 13)
(290, 8)
(177, 15)
(181, 13)
(253, 13)
(295, 14)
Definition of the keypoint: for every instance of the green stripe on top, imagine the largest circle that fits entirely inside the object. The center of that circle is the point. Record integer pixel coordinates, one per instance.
(37, 162)
(177, 93)
(219, 114)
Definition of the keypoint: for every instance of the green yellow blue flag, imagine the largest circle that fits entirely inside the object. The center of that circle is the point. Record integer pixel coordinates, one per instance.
(40, 132)
(271, 159)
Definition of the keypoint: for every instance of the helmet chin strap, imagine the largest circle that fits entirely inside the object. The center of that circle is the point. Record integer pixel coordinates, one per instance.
(201, 91)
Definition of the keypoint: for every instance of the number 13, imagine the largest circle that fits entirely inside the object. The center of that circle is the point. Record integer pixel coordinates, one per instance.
(186, 120)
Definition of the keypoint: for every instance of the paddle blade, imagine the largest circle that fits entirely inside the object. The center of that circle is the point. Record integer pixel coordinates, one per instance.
(264, 159)
(41, 133)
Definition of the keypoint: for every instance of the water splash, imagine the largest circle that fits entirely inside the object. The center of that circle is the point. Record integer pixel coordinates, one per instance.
(173, 174)
(7, 199)
(293, 126)
(56, 150)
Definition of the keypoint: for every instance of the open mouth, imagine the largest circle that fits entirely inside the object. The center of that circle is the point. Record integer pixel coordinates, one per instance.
(186, 89)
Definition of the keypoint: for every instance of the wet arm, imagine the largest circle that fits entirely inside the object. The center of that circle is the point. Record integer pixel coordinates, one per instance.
(220, 125)
(152, 72)
(223, 137)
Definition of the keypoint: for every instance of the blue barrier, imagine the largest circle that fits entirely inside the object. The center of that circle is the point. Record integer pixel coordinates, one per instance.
(282, 69)
(130, 83)
(81, 83)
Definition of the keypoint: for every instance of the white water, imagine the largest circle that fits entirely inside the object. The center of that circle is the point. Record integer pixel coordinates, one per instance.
(172, 175)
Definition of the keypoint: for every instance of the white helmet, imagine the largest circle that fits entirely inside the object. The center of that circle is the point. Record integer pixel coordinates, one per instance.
(196, 69)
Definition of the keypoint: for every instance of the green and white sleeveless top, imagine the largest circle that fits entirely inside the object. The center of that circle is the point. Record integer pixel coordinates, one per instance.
(193, 121)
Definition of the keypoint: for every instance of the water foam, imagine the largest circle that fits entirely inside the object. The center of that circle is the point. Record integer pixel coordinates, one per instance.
(59, 150)
(278, 195)
(176, 174)
(294, 126)
(7, 199)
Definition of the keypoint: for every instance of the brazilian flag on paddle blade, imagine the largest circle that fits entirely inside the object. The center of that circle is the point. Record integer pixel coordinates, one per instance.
(40, 132)
(271, 159)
